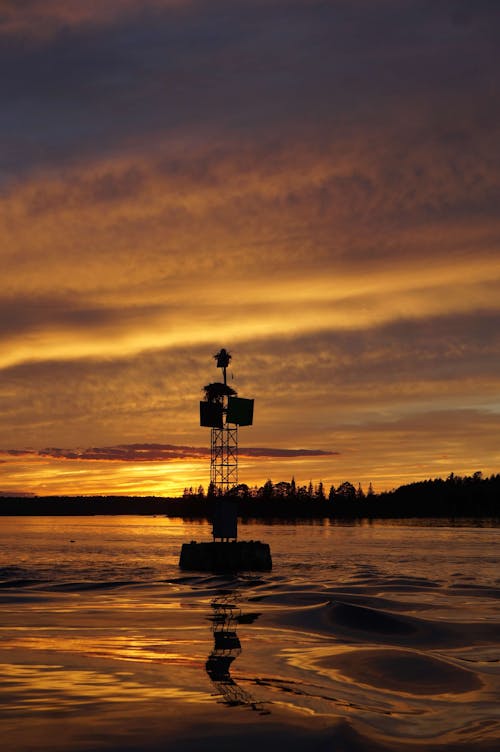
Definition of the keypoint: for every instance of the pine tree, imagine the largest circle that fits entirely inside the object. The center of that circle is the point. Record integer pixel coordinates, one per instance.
(360, 494)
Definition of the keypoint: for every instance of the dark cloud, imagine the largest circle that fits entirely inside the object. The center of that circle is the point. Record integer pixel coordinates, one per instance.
(27, 315)
(19, 452)
(465, 13)
(155, 453)
(241, 67)
(261, 452)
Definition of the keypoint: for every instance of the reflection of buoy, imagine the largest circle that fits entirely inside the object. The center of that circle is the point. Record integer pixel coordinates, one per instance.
(226, 641)
(226, 615)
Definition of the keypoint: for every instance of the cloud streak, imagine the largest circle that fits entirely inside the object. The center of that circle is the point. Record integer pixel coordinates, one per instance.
(155, 453)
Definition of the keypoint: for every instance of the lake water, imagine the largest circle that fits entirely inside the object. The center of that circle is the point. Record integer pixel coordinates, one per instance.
(371, 637)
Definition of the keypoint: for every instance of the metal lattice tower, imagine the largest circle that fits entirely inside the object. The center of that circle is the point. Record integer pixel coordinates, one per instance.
(224, 412)
(224, 457)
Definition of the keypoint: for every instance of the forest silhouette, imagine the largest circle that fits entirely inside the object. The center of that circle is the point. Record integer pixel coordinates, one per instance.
(456, 496)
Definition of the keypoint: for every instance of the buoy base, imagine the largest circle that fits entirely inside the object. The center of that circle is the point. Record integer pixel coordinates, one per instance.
(223, 557)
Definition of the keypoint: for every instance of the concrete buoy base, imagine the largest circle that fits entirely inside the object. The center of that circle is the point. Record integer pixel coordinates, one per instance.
(220, 557)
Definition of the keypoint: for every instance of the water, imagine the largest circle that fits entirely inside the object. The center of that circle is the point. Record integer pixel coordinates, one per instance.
(373, 637)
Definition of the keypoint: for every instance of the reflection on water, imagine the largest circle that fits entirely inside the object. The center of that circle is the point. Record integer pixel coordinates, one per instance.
(362, 638)
(227, 647)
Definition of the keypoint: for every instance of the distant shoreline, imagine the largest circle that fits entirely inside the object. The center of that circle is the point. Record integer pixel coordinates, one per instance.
(285, 510)
(455, 497)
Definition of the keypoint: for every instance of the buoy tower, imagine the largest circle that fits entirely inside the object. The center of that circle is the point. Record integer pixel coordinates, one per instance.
(224, 412)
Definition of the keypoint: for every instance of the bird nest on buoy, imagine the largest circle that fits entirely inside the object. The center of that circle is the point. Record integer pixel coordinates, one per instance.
(216, 391)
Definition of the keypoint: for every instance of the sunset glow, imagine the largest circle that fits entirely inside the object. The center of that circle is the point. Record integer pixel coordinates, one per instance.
(313, 186)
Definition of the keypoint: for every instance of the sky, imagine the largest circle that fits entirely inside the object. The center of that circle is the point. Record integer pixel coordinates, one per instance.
(311, 184)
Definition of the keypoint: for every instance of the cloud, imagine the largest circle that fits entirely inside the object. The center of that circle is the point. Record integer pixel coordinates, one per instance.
(20, 314)
(441, 441)
(125, 245)
(313, 185)
(246, 70)
(42, 19)
(155, 453)
(261, 452)
(303, 383)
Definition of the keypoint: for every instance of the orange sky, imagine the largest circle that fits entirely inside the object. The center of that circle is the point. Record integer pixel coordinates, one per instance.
(313, 186)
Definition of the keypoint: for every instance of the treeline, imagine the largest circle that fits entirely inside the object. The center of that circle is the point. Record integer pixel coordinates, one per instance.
(455, 496)
(283, 490)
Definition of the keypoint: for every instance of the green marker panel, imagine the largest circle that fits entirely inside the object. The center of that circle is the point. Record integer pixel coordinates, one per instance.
(210, 415)
(240, 411)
